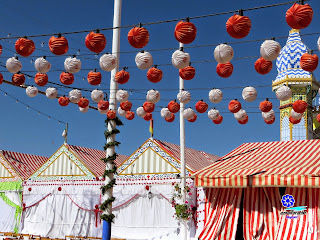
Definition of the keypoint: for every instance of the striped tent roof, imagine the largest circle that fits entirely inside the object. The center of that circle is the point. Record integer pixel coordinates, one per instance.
(91, 158)
(24, 164)
(195, 160)
(285, 163)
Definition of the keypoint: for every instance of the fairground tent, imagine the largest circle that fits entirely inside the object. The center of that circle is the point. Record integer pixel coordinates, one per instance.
(61, 198)
(250, 176)
(144, 185)
(14, 169)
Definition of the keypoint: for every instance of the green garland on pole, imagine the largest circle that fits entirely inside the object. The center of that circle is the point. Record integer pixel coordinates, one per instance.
(110, 159)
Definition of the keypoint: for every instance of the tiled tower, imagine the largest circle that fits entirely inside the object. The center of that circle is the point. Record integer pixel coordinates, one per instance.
(303, 85)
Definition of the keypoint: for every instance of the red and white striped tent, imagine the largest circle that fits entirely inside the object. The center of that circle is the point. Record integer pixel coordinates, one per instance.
(253, 173)
(152, 169)
(62, 196)
(15, 167)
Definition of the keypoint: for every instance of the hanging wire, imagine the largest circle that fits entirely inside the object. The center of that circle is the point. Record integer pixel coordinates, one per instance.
(30, 107)
(152, 23)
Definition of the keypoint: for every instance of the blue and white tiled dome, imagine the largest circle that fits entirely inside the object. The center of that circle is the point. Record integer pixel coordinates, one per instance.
(288, 62)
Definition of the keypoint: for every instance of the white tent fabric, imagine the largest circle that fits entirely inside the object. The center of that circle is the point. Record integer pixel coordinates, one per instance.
(7, 219)
(141, 217)
(53, 213)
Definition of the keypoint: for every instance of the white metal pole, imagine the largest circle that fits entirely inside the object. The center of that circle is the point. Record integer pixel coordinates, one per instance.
(113, 106)
(184, 231)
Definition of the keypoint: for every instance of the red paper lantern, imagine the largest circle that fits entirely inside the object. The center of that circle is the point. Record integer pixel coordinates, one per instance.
(318, 117)
(24, 47)
(224, 70)
(174, 107)
(265, 106)
(294, 121)
(147, 188)
(244, 121)
(148, 107)
(122, 77)
(130, 115)
(29, 189)
(1, 78)
(201, 106)
(309, 62)
(66, 78)
(234, 106)
(218, 120)
(300, 106)
(148, 117)
(270, 121)
(299, 16)
(94, 78)
(171, 118)
(83, 103)
(18, 79)
(111, 114)
(103, 105)
(59, 189)
(154, 75)
(59, 45)
(63, 101)
(187, 73)
(263, 66)
(185, 32)
(138, 37)
(238, 26)
(126, 106)
(193, 119)
(41, 79)
(95, 42)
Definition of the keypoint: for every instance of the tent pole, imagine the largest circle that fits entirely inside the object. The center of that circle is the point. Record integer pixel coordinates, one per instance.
(182, 153)
(106, 234)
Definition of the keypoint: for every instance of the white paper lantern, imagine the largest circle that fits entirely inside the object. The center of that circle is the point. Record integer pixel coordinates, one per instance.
(184, 97)
(284, 93)
(268, 115)
(144, 60)
(121, 112)
(102, 111)
(51, 93)
(223, 53)
(270, 50)
(140, 112)
(318, 43)
(75, 95)
(72, 64)
(240, 115)
(215, 95)
(165, 113)
(249, 94)
(188, 113)
(296, 115)
(108, 62)
(153, 96)
(31, 91)
(97, 95)
(42, 65)
(122, 95)
(180, 59)
(213, 114)
(13, 65)
(84, 110)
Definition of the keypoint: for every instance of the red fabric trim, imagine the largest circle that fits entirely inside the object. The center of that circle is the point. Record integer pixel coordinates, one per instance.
(38, 201)
(126, 201)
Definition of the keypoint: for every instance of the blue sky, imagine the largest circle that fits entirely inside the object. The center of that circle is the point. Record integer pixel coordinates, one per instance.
(26, 131)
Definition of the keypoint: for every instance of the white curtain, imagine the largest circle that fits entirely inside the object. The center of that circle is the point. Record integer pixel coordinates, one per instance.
(7, 219)
(53, 213)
